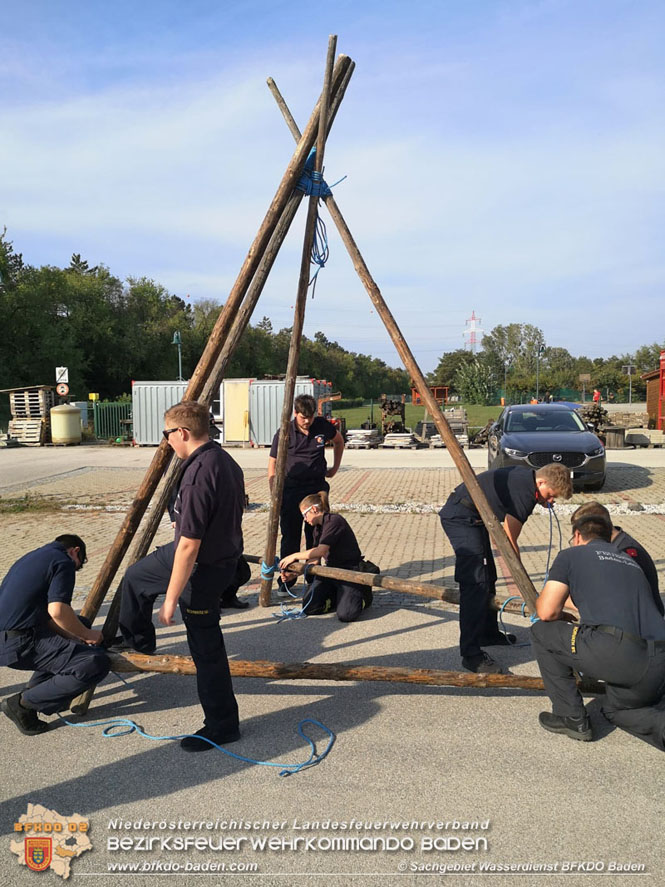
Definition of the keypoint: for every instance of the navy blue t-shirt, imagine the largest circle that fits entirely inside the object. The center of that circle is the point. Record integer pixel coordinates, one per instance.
(41, 577)
(336, 532)
(632, 548)
(609, 588)
(210, 504)
(508, 491)
(305, 456)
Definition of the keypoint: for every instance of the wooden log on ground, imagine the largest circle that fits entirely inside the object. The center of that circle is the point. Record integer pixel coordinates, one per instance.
(340, 671)
(277, 486)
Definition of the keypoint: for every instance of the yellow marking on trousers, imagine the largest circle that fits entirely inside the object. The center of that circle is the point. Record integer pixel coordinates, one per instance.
(573, 639)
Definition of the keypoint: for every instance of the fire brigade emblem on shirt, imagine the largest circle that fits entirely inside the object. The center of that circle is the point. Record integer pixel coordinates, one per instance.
(38, 853)
(320, 440)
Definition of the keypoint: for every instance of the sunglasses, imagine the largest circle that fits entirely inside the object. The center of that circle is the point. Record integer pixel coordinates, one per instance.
(168, 431)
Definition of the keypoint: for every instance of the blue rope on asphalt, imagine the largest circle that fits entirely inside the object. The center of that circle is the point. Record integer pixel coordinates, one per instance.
(124, 727)
(267, 572)
(292, 612)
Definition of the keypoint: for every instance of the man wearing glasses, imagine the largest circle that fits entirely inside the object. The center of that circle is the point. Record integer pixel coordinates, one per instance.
(40, 632)
(194, 570)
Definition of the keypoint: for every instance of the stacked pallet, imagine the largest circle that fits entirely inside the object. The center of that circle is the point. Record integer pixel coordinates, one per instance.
(31, 415)
(362, 438)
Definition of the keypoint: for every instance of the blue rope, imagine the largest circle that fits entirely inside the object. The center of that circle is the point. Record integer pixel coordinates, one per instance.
(267, 572)
(515, 597)
(292, 612)
(311, 181)
(320, 250)
(125, 726)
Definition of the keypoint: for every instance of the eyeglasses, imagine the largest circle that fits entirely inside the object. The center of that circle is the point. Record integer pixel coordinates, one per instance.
(168, 431)
(307, 509)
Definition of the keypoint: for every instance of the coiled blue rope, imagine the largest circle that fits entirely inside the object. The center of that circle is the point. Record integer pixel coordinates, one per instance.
(292, 612)
(124, 727)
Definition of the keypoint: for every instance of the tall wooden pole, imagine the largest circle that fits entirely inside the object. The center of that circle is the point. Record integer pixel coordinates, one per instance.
(517, 571)
(296, 332)
(219, 333)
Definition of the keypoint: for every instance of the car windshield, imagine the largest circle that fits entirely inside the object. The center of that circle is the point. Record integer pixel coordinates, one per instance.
(544, 420)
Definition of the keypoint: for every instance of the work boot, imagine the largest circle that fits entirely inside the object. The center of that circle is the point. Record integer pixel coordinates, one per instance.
(234, 603)
(25, 718)
(574, 728)
(500, 639)
(482, 663)
(193, 743)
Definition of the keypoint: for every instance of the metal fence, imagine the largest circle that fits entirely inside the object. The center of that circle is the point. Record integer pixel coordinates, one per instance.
(112, 420)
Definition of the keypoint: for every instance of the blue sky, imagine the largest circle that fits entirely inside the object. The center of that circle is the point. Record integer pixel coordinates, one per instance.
(503, 157)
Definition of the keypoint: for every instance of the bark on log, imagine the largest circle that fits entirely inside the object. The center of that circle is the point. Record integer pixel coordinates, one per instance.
(318, 671)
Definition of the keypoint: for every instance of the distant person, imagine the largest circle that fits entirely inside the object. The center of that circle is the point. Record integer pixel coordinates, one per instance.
(40, 632)
(334, 542)
(306, 470)
(193, 571)
(596, 395)
(625, 543)
(620, 639)
(512, 494)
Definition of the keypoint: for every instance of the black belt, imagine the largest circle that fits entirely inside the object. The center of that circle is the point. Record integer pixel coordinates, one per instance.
(620, 633)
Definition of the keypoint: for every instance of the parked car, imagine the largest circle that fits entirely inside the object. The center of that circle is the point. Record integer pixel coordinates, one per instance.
(533, 435)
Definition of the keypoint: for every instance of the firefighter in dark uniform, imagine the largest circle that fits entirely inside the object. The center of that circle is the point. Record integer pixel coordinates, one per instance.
(620, 638)
(512, 494)
(194, 570)
(628, 545)
(306, 470)
(336, 543)
(40, 632)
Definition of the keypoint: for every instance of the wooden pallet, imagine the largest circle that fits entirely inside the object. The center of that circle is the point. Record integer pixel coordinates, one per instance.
(29, 432)
(31, 403)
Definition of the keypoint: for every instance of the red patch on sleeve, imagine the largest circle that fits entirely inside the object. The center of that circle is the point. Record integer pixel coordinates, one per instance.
(632, 552)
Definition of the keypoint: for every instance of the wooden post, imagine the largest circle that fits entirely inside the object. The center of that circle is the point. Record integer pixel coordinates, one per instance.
(209, 356)
(517, 571)
(320, 671)
(296, 332)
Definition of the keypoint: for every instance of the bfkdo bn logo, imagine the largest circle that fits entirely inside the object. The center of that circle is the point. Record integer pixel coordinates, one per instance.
(46, 840)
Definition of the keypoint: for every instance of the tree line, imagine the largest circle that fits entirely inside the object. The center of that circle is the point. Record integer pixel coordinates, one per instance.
(516, 362)
(109, 332)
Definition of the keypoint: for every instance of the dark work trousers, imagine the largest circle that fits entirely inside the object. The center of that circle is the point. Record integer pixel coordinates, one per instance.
(634, 672)
(347, 598)
(475, 571)
(290, 518)
(62, 668)
(199, 604)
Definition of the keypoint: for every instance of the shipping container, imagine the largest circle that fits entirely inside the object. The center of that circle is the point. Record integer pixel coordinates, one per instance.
(266, 399)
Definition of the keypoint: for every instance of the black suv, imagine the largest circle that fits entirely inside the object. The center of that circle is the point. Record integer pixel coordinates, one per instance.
(534, 435)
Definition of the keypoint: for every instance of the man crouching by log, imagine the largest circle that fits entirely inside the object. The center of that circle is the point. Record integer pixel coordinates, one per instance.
(40, 632)
(512, 494)
(620, 638)
(195, 569)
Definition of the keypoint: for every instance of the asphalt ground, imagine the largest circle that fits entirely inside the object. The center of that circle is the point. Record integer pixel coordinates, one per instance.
(410, 764)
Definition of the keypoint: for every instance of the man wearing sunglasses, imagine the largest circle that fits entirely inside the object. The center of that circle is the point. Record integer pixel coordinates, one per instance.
(194, 570)
(40, 632)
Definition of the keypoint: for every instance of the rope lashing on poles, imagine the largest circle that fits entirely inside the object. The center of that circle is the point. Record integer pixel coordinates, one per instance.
(312, 184)
(267, 571)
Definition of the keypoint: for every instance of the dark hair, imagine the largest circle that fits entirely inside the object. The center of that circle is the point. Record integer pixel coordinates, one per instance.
(305, 405)
(593, 526)
(590, 508)
(69, 540)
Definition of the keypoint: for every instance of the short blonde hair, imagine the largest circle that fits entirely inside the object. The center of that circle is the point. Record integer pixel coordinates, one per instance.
(318, 499)
(192, 415)
(558, 477)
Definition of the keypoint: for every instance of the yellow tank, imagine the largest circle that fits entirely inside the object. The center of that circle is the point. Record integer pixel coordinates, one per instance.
(65, 424)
